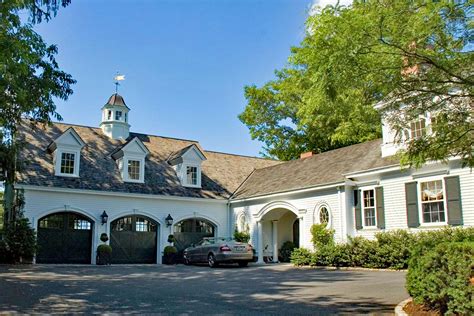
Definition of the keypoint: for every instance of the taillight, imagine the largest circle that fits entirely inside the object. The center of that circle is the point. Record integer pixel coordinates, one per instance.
(225, 248)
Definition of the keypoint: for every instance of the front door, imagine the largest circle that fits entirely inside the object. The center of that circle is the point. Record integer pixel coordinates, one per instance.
(133, 239)
(64, 237)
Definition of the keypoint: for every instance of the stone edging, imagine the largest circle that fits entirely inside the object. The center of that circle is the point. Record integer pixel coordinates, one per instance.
(348, 268)
(399, 308)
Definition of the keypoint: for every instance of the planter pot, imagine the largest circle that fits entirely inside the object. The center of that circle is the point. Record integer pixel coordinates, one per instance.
(104, 259)
(169, 258)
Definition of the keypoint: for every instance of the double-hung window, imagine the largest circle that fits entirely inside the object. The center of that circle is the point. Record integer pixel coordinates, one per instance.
(369, 215)
(191, 175)
(118, 115)
(418, 128)
(67, 163)
(432, 202)
(134, 170)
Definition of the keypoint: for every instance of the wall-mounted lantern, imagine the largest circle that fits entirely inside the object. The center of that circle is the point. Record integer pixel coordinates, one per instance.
(169, 220)
(104, 218)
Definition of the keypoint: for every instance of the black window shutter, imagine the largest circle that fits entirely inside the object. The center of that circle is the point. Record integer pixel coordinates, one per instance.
(411, 197)
(380, 207)
(358, 209)
(453, 200)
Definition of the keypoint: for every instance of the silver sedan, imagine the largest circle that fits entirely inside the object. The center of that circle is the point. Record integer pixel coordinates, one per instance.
(219, 250)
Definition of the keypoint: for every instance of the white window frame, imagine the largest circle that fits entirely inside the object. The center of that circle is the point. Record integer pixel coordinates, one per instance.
(57, 163)
(123, 166)
(121, 115)
(316, 216)
(420, 206)
(363, 207)
(184, 177)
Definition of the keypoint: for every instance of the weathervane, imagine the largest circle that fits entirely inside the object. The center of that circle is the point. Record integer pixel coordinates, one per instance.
(118, 78)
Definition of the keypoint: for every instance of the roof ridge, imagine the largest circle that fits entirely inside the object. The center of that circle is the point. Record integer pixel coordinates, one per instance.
(240, 155)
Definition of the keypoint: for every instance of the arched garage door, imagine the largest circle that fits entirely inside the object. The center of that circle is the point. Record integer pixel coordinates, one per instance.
(64, 238)
(133, 239)
(191, 231)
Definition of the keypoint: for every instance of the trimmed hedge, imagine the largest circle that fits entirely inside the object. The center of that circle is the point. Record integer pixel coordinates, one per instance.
(440, 277)
(389, 250)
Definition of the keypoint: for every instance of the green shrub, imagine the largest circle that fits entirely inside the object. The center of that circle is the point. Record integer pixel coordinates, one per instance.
(104, 249)
(286, 250)
(171, 238)
(18, 244)
(321, 236)
(362, 252)
(241, 236)
(170, 250)
(104, 237)
(440, 277)
(301, 257)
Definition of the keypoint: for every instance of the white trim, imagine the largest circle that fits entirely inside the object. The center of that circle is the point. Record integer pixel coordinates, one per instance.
(141, 175)
(371, 188)
(289, 192)
(317, 211)
(420, 204)
(121, 194)
(58, 158)
(184, 182)
(274, 205)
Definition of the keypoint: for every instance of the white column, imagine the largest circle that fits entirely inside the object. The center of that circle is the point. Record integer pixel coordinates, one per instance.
(260, 242)
(275, 240)
(302, 230)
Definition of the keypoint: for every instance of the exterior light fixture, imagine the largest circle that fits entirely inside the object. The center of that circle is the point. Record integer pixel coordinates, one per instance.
(104, 217)
(169, 220)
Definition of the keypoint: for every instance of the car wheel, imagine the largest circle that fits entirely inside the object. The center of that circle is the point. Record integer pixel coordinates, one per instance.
(243, 264)
(211, 260)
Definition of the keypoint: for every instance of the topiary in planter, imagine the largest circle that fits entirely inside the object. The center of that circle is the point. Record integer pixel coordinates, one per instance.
(104, 237)
(169, 255)
(104, 255)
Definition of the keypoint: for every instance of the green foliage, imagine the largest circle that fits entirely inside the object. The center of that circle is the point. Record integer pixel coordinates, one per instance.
(440, 277)
(286, 250)
(171, 238)
(301, 257)
(104, 237)
(104, 250)
(18, 243)
(170, 250)
(353, 57)
(321, 236)
(241, 236)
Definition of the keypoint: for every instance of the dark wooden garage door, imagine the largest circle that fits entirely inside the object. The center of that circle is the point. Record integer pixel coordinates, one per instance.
(133, 240)
(64, 238)
(191, 231)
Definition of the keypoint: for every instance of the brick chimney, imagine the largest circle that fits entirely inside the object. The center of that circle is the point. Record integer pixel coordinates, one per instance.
(306, 154)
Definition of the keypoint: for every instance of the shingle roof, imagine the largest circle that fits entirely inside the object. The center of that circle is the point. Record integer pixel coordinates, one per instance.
(221, 173)
(117, 99)
(320, 169)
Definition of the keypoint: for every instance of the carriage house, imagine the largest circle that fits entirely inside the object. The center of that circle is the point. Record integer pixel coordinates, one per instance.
(80, 182)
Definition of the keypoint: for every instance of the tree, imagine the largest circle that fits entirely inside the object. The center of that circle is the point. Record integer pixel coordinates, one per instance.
(413, 55)
(30, 78)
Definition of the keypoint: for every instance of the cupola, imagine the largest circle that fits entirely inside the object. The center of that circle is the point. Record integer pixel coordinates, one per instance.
(115, 118)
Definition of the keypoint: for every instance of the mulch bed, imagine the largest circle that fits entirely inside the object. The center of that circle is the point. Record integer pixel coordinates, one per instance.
(420, 310)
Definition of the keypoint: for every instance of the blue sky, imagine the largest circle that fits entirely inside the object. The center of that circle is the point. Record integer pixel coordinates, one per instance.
(186, 62)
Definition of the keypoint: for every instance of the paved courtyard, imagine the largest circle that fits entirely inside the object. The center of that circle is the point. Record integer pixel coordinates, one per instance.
(269, 289)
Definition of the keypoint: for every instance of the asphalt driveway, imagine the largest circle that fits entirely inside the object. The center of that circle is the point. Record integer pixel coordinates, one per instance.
(268, 289)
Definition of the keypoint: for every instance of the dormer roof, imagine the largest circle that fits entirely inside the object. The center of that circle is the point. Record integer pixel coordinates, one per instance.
(177, 157)
(68, 138)
(133, 145)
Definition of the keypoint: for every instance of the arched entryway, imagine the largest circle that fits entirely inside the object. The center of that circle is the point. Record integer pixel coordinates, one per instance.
(191, 231)
(278, 223)
(133, 239)
(64, 237)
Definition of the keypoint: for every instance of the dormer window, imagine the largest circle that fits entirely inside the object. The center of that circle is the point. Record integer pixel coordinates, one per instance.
(134, 169)
(191, 175)
(187, 164)
(130, 159)
(418, 128)
(66, 150)
(118, 115)
(67, 163)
